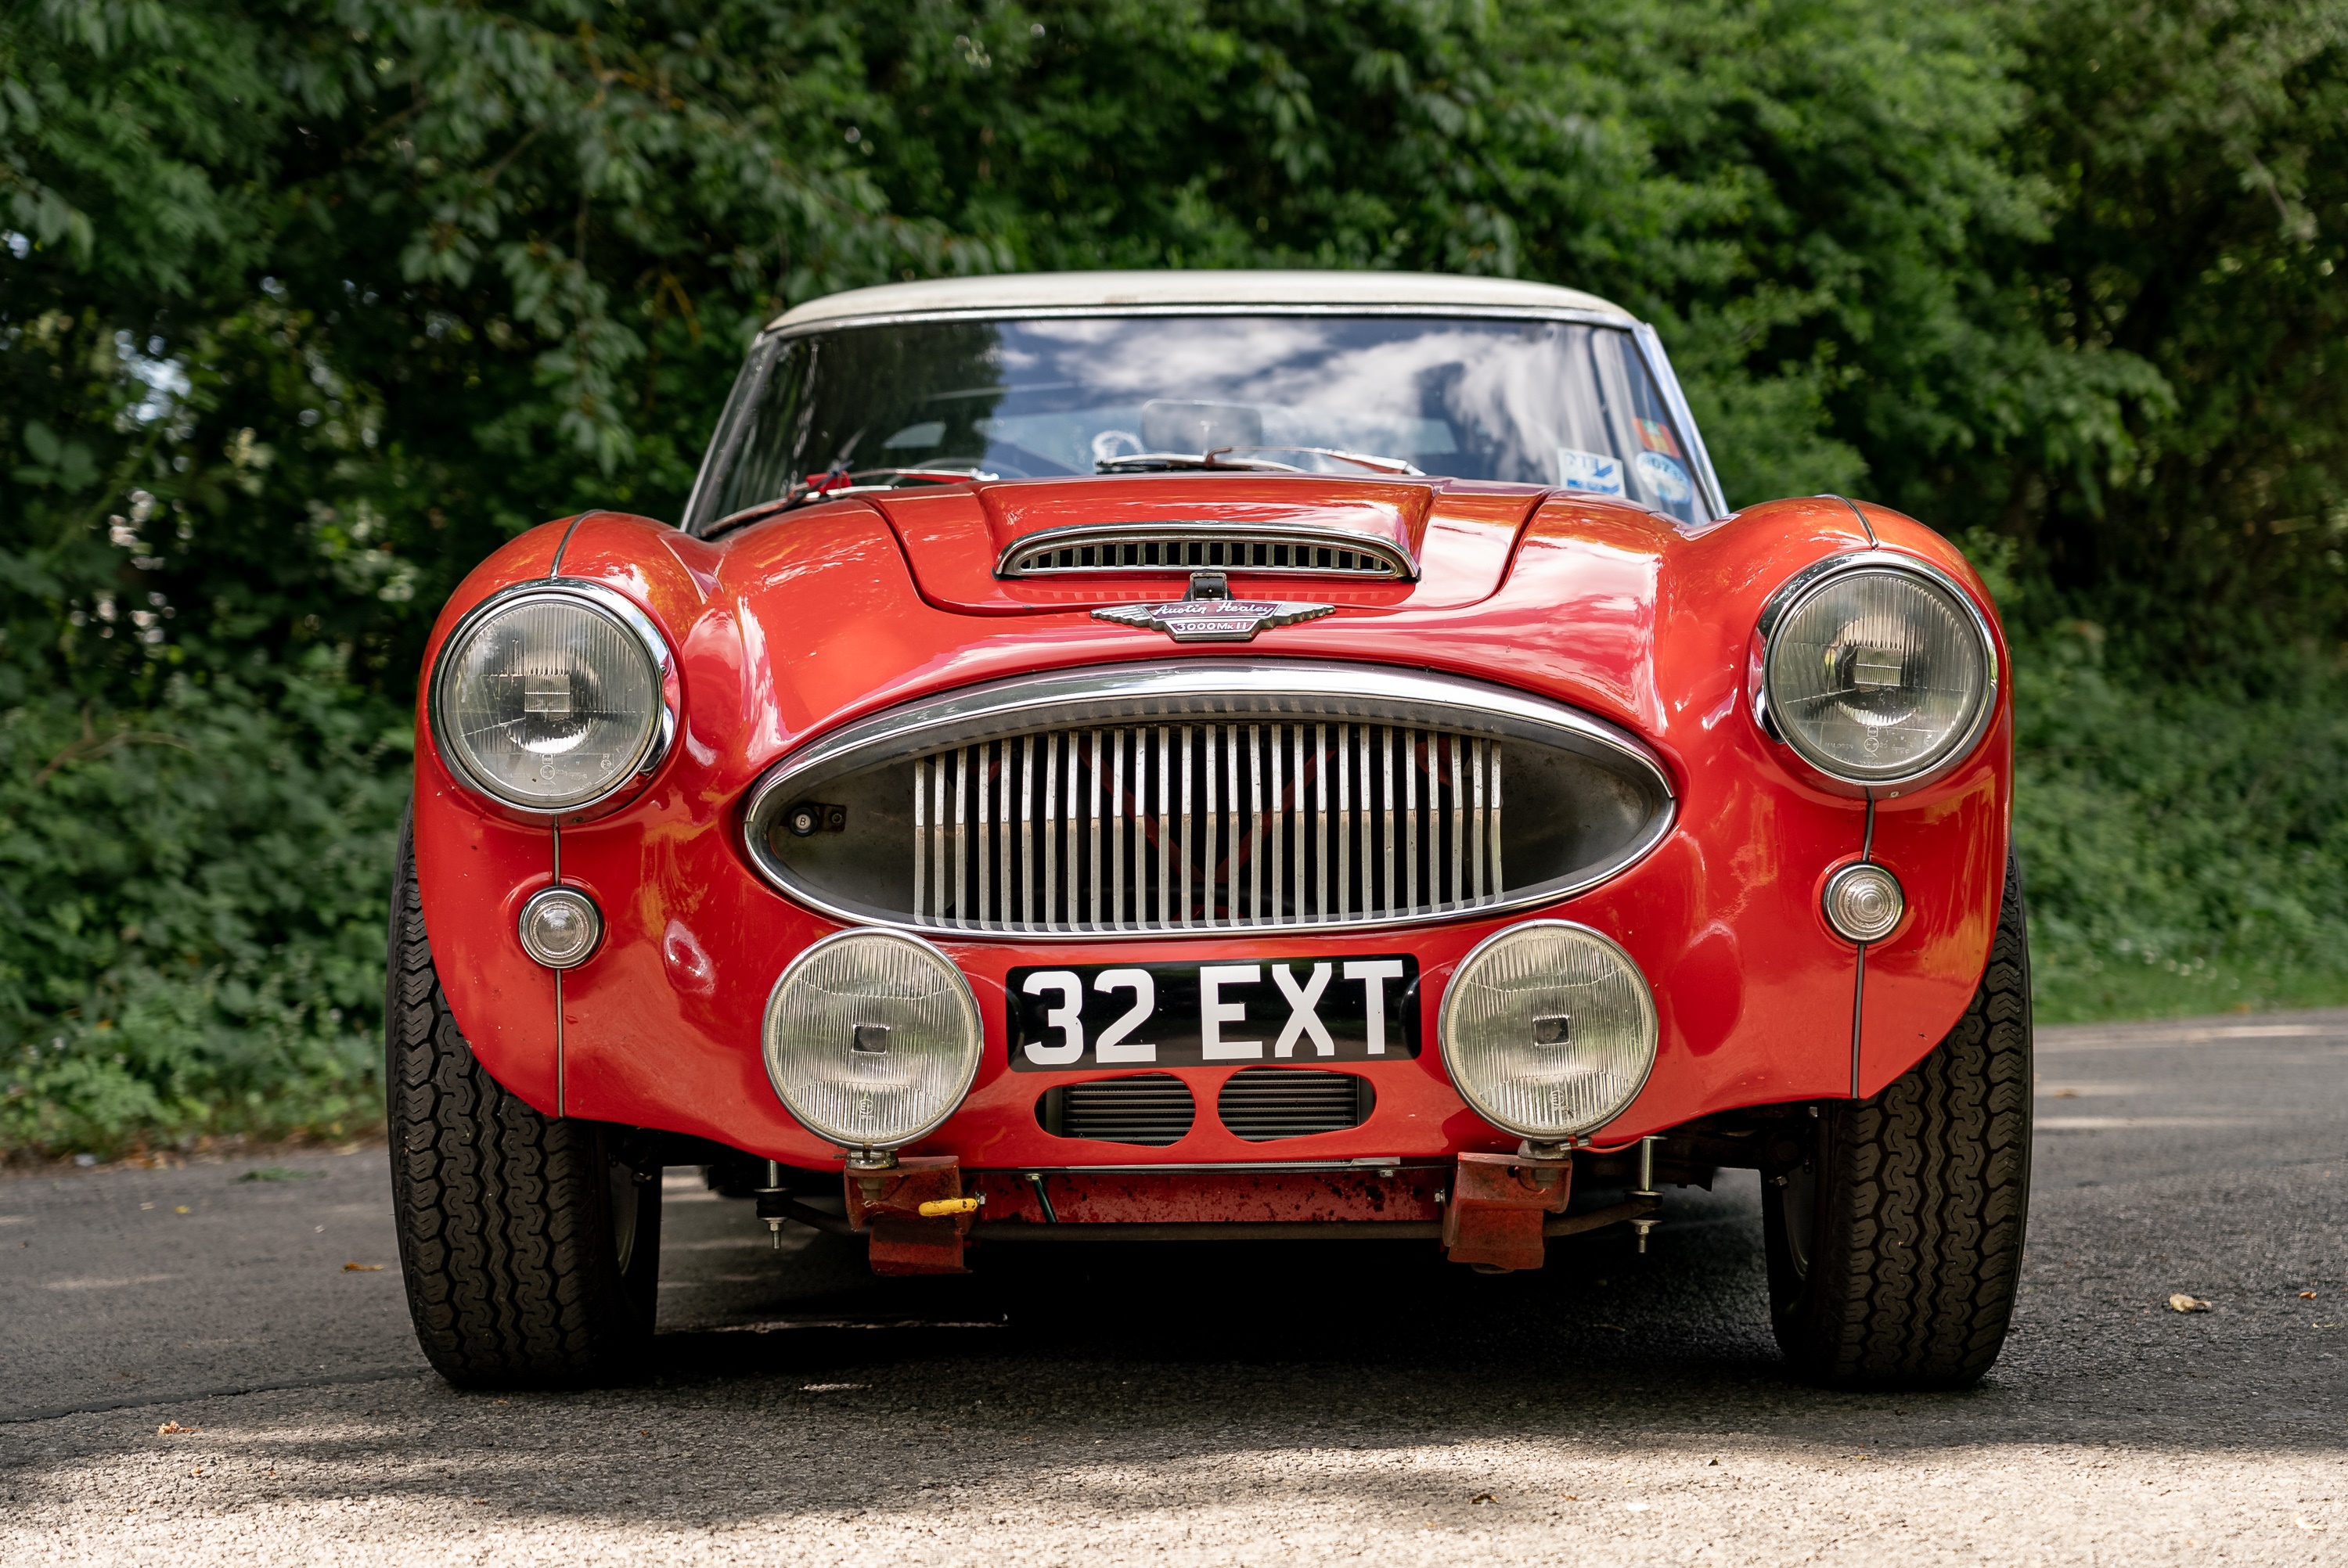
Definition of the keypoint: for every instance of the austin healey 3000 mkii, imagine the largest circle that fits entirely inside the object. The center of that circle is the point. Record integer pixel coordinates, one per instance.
(1256, 755)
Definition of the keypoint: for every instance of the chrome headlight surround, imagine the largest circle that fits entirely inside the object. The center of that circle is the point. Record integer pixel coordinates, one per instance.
(1473, 1080)
(650, 746)
(787, 1062)
(1797, 594)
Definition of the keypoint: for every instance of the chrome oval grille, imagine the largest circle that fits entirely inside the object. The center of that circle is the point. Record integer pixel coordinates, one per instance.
(1206, 796)
(1262, 1104)
(1154, 1109)
(1185, 548)
(1205, 826)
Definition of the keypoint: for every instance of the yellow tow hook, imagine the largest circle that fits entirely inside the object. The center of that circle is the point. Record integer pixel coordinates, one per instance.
(946, 1208)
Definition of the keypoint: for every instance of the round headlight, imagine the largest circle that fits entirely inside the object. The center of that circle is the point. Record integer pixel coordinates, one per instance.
(1879, 675)
(1548, 1030)
(549, 700)
(872, 1038)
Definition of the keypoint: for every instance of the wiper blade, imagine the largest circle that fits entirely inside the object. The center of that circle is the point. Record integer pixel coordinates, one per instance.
(1161, 461)
(850, 482)
(846, 481)
(1220, 457)
(1363, 459)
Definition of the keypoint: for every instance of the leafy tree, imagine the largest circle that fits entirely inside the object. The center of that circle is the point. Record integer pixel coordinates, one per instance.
(2195, 156)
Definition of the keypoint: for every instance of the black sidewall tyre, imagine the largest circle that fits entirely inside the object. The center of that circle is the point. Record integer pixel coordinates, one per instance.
(530, 1244)
(1895, 1252)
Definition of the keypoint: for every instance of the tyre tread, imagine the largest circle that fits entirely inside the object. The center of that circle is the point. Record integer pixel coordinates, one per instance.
(1918, 1258)
(498, 1206)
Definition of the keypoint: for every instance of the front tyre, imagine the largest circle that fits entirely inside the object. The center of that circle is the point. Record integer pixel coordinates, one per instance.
(1895, 1251)
(530, 1244)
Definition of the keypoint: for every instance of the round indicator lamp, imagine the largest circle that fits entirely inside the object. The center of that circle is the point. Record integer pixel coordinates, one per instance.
(1864, 902)
(559, 927)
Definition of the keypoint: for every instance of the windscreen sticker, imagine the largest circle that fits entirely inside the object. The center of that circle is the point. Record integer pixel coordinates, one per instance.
(1666, 478)
(1592, 471)
(1656, 436)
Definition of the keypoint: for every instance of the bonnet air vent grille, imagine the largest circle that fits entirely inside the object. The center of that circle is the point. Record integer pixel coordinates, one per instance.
(1154, 1110)
(1095, 549)
(1262, 1104)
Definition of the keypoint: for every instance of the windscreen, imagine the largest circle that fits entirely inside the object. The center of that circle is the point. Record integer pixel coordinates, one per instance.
(1559, 403)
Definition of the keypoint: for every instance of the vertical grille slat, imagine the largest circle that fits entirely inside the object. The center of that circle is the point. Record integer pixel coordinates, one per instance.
(1210, 826)
(921, 835)
(1027, 831)
(1255, 823)
(961, 861)
(1165, 833)
(1117, 829)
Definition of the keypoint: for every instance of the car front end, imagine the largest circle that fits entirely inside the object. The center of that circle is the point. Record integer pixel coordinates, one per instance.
(1356, 780)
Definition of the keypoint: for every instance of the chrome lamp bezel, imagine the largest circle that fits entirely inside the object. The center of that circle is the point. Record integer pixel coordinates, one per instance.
(970, 1067)
(1798, 590)
(537, 901)
(1545, 1136)
(631, 618)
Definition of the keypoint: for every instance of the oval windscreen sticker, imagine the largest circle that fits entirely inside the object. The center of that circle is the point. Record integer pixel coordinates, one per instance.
(1665, 478)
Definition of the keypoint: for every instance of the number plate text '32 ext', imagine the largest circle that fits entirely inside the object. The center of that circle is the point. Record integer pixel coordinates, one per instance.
(1200, 1015)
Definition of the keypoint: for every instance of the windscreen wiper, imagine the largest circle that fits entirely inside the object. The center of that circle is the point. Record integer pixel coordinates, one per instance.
(1220, 457)
(848, 481)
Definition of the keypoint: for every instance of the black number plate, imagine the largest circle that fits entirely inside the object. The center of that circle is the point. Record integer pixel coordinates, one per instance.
(1206, 1015)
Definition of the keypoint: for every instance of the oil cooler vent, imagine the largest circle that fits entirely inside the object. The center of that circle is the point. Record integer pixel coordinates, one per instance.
(1154, 1109)
(1262, 1104)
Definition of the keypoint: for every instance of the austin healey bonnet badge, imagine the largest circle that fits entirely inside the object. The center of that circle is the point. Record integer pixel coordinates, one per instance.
(1213, 620)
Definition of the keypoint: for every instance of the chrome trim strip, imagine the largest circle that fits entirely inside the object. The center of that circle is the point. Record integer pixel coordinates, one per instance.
(1066, 312)
(1313, 691)
(659, 738)
(1659, 365)
(1816, 575)
(1398, 562)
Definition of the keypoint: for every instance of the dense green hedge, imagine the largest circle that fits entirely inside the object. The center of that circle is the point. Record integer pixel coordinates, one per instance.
(307, 304)
(2185, 850)
(192, 933)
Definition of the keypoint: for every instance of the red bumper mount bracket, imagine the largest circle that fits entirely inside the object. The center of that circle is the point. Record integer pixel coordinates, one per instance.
(1497, 1205)
(888, 1201)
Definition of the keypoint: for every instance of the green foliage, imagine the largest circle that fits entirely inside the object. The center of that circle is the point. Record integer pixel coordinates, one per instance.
(2186, 849)
(2194, 155)
(307, 305)
(192, 912)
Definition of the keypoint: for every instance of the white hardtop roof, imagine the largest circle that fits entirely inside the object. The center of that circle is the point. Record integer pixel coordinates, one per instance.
(1025, 291)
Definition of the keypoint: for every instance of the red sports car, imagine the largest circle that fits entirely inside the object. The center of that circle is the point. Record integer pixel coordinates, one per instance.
(1213, 756)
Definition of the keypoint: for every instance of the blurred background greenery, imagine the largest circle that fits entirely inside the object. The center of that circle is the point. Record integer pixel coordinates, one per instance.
(307, 305)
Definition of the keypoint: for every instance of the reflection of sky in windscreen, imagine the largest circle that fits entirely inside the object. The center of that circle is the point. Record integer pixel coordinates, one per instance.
(1512, 392)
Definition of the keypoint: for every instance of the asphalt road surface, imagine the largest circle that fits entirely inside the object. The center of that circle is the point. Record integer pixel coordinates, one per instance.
(1236, 1404)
